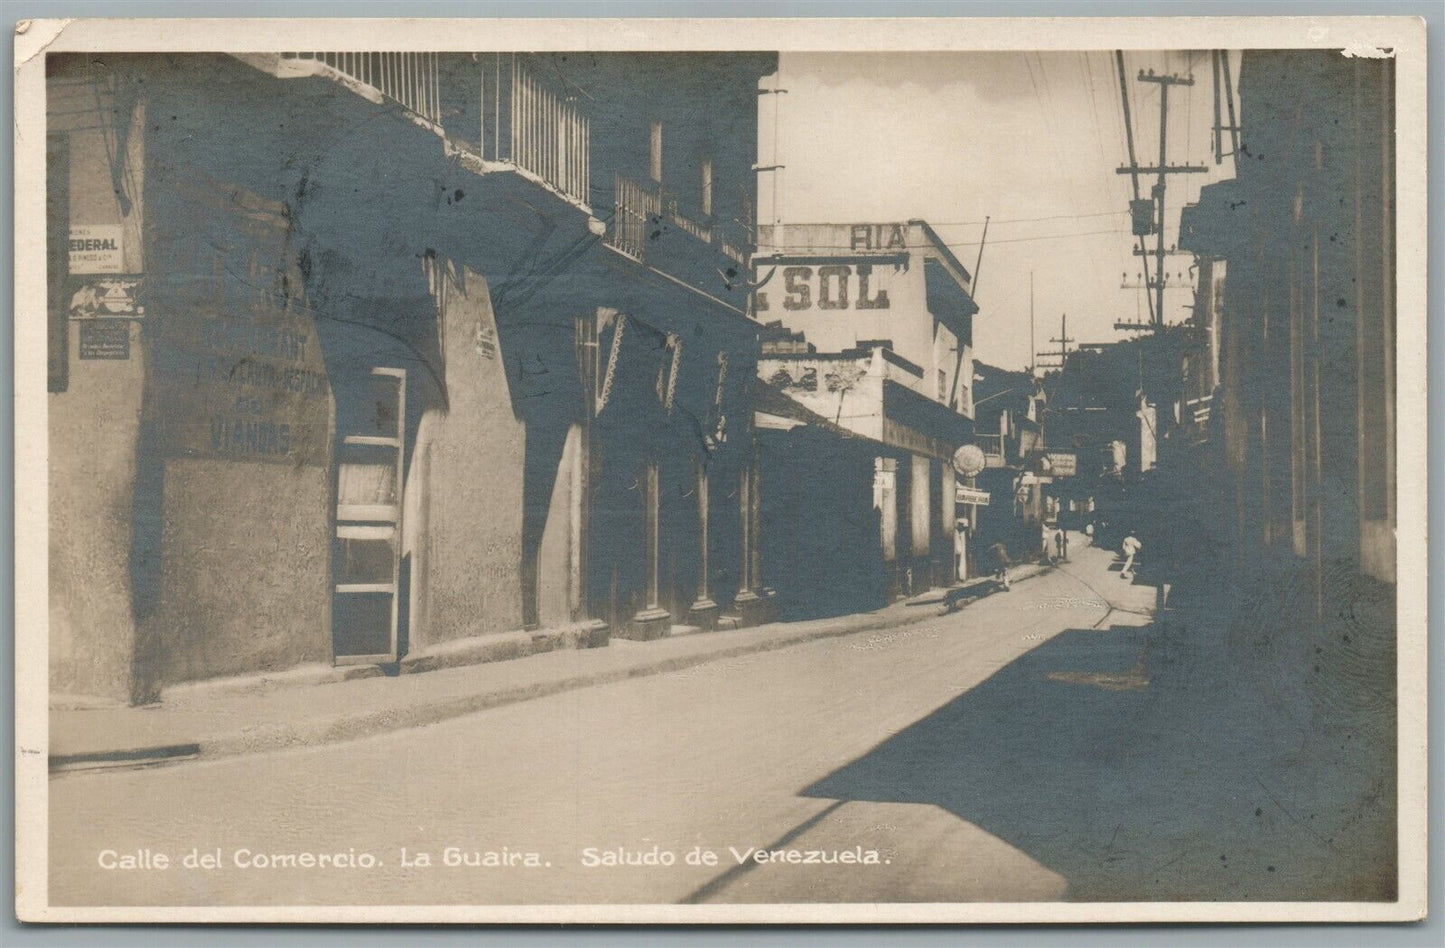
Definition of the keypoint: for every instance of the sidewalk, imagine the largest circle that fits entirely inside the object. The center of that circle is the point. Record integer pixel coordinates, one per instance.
(212, 723)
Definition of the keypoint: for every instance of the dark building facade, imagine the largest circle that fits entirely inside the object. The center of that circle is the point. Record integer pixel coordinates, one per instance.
(1301, 467)
(820, 547)
(1305, 234)
(393, 358)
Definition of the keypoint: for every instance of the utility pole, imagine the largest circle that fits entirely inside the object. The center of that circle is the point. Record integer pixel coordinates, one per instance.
(973, 292)
(1220, 59)
(1031, 324)
(978, 263)
(775, 167)
(1134, 175)
(1162, 171)
(1233, 127)
(1218, 125)
(1169, 251)
(1063, 340)
(1167, 281)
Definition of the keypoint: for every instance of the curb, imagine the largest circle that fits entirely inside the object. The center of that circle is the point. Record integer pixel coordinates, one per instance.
(354, 726)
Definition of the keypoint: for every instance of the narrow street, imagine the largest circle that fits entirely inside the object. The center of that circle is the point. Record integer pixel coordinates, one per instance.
(603, 497)
(1000, 753)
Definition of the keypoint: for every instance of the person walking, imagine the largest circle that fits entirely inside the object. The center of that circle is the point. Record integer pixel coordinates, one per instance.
(1061, 543)
(999, 554)
(1131, 547)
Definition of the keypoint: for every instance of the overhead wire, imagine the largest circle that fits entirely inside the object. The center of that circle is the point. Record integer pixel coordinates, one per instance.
(1085, 75)
(1027, 220)
(975, 243)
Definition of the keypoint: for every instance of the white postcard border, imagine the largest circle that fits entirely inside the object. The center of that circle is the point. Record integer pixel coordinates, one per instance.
(1404, 36)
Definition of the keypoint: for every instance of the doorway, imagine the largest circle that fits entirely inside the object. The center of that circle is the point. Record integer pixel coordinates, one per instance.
(366, 551)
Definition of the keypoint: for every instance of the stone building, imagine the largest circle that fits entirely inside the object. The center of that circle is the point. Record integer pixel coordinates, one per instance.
(881, 317)
(388, 359)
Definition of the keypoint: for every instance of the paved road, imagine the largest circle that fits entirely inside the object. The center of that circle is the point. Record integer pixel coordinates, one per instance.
(984, 755)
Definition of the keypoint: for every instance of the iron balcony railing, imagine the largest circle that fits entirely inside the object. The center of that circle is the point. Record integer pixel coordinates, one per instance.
(696, 229)
(643, 209)
(493, 104)
(411, 79)
(534, 125)
(993, 448)
(733, 243)
(637, 213)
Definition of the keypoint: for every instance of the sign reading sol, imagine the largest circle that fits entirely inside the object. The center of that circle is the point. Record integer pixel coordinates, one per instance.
(830, 287)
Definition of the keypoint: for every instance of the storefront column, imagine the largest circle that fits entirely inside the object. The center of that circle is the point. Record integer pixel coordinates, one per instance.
(951, 541)
(920, 565)
(585, 327)
(703, 612)
(653, 621)
(755, 548)
(752, 600)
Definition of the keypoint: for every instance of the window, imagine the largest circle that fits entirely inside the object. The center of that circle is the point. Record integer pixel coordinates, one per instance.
(707, 187)
(655, 152)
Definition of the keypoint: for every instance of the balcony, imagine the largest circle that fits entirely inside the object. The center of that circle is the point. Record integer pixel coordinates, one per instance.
(493, 107)
(637, 214)
(409, 79)
(644, 214)
(531, 124)
(993, 449)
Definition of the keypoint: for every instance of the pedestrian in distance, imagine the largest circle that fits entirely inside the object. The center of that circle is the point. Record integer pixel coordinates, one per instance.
(1131, 548)
(1061, 543)
(999, 553)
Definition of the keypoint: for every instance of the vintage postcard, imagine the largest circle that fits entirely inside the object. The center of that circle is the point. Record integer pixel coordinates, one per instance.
(721, 470)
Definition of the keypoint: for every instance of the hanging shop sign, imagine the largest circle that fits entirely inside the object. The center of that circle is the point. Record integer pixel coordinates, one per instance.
(1061, 463)
(969, 460)
(970, 495)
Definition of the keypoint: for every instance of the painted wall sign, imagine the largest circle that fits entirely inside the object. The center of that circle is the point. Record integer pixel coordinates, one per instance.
(835, 287)
(878, 236)
(105, 339)
(239, 362)
(95, 248)
(486, 341)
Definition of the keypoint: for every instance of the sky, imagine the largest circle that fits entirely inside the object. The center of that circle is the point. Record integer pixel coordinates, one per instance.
(1029, 140)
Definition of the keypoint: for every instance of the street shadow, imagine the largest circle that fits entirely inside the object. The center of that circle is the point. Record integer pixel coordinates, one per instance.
(1082, 756)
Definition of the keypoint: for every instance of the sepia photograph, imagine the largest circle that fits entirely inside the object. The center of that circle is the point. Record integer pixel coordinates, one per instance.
(665, 471)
